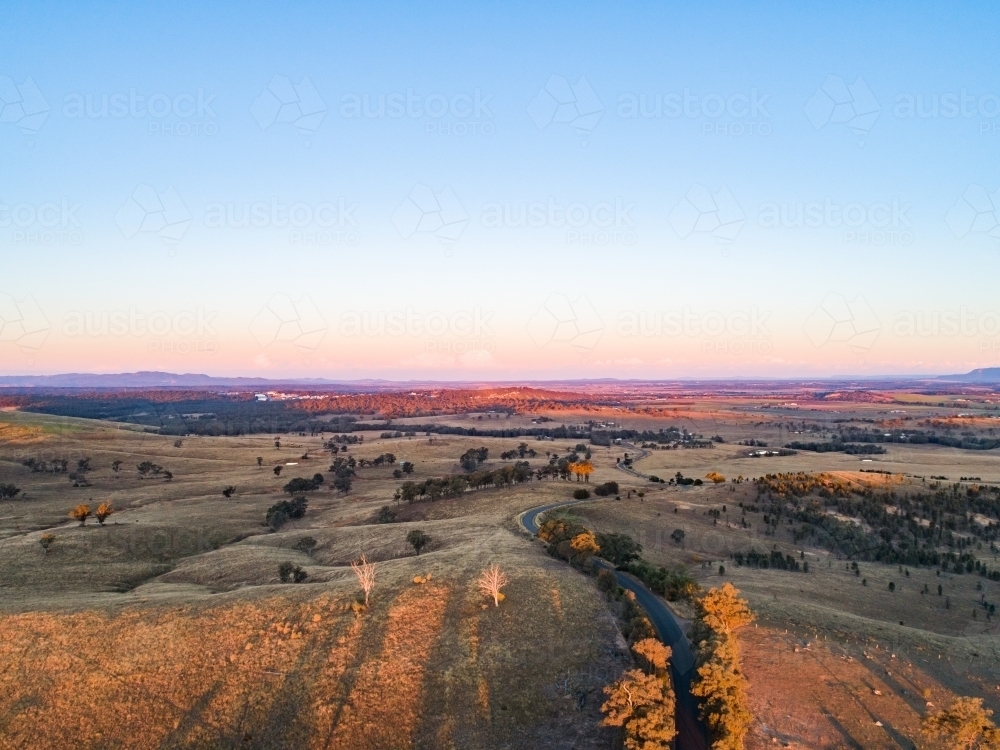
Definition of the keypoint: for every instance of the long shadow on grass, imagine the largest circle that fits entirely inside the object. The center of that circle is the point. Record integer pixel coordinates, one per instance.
(451, 656)
(848, 737)
(280, 729)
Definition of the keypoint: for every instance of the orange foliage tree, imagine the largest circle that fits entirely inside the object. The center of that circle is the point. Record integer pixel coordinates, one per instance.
(81, 513)
(103, 511)
(582, 469)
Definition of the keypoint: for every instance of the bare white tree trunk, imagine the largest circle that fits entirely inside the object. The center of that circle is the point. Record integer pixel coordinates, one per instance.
(365, 571)
(491, 581)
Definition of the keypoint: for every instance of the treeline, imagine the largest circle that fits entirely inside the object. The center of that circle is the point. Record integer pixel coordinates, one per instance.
(434, 488)
(560, 433)
(854, 449)
(755, 559)
(918, 437)
(201, 414)
(719, 681)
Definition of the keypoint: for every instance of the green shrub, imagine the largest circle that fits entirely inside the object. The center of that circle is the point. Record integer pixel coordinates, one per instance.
(619, 549)
(283, 510)
(289, 572)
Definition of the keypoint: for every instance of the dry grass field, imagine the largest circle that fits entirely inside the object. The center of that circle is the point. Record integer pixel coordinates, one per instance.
(169, 626)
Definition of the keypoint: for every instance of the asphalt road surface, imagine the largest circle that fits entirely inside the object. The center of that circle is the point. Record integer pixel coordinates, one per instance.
(691, 733)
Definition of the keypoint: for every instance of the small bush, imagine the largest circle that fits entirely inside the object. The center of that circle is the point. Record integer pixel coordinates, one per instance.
(418, 540)
(606, 489)
(290, 573)
(607, 582)
(580, 494)
(385, 515)
(306, 544)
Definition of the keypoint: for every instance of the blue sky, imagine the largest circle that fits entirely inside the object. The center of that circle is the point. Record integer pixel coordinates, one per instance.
(685, 215)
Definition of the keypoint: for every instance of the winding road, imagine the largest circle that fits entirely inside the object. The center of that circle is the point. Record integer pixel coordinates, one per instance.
(691, 733)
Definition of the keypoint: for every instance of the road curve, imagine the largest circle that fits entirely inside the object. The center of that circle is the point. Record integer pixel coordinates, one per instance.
(691, 733)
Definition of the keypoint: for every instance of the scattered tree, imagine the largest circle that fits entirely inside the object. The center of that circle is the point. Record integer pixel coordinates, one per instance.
(46, 541)
(277, 471)
(964, 724)
(283, 510)
(306, 544)
(471, 459)
(8, 491)
(228, 492)
(299, 485)
(418, 540)
(385, 515)
(723, 610)
(103, 511)
(116, 467)
(291, 573)
(582, 469)
(260, 461)
(606, 489)
(365, 571)
(147, 468)
(491, 581)
(81, 513)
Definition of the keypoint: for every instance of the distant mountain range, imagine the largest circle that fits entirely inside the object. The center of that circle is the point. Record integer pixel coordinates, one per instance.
(156, 380)
(982, 375)
(986, 375)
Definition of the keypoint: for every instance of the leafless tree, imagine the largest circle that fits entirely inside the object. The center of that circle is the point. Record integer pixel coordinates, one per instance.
(491, 581)
(365, 571)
